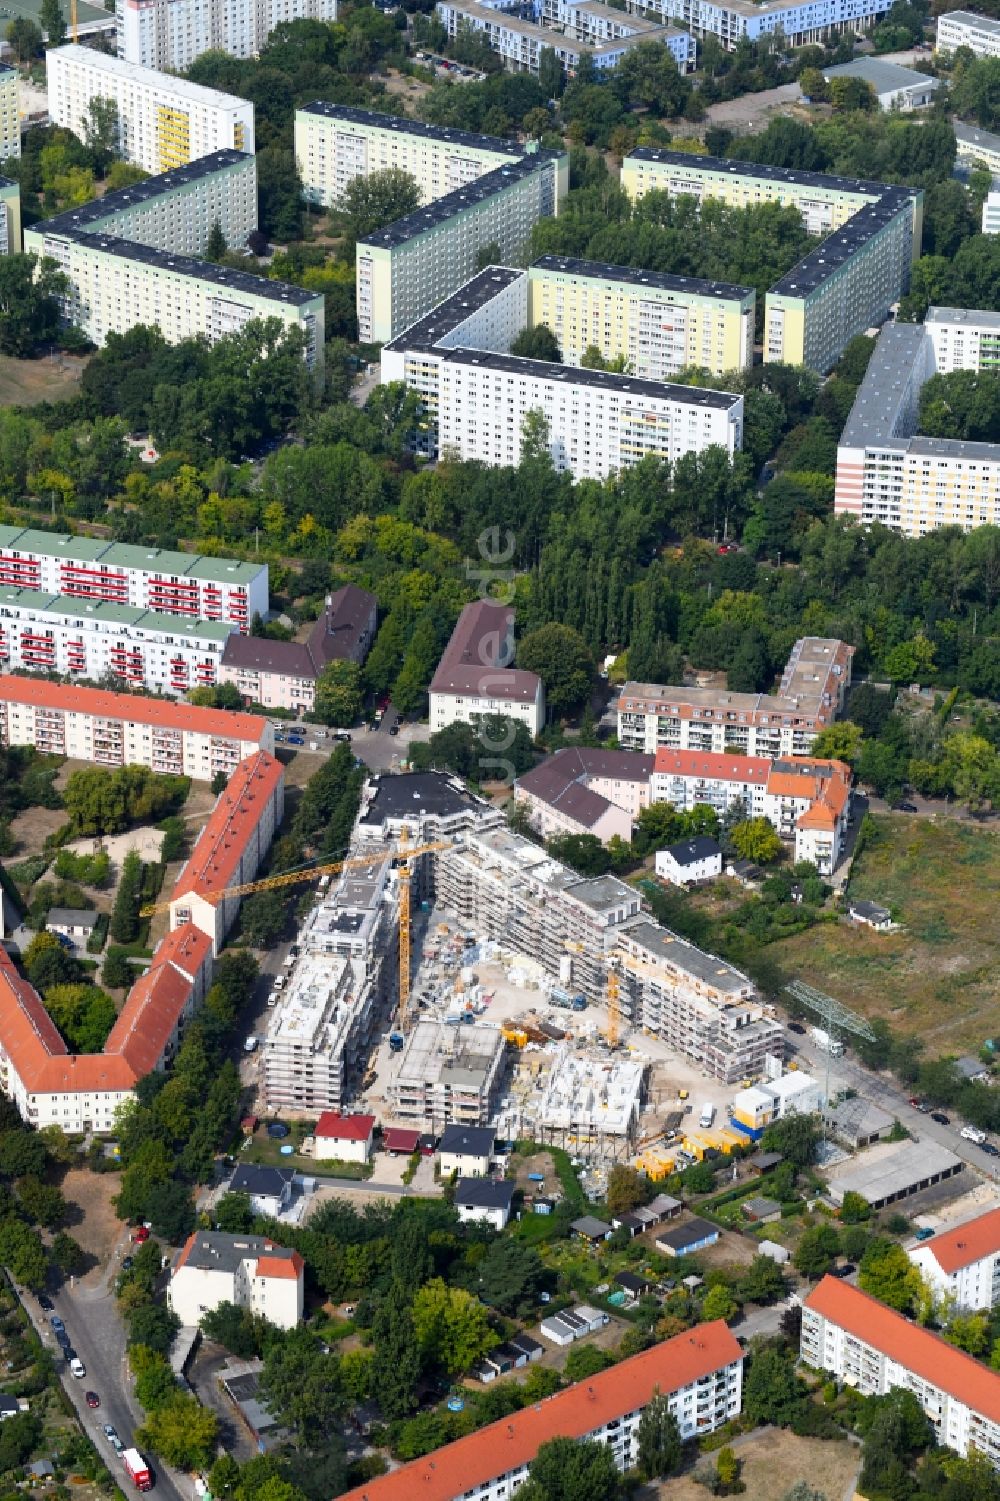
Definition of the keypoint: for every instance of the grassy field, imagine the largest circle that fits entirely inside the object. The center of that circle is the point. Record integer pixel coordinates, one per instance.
(24, 383)
(772, 1462)
(939, 977)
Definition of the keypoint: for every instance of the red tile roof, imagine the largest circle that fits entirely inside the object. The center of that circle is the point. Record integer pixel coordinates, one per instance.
(133, 709)
(288, 1265)
(967, 1243)
(925, 1354)
(159, 999)
(344, 1127)
(232, 824)
(514, 1441)
(398, 1139)
(715, 765)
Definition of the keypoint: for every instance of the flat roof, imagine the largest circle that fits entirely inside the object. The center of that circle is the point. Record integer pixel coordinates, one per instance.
(406, 125)
(131, 708)
(557, 40)
(432, 327)
(151, 78)
(186, 265)
(677, 951)
(884, 77)
(727, 167)
(147, 191)
(972, 317)
(416, 792)
(883, 1173)
(969, 18)
(411, 226)
(602, 380)
(102, 610)
(661, 281)
(151, 559)
(837, 248)
(882, 403)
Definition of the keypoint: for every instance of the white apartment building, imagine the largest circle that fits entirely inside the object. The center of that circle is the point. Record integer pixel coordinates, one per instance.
(977, 147)
(886, 472)
(475, 677)
(991, 214)
(170, 34)
(700, 1373)
(175, 210)
(963, 28)
(476, 396)
(335, 143)
(811, 695)
(963, 1264)
(116, 283)
(230, 848)
(570, 29)
(406, 269)
(10, 120)
(876, 1350)
(120, 729)
(143, 577)
(42, 632)
(798, 21)
(10, 217)
(164, 121)
(248, 1270)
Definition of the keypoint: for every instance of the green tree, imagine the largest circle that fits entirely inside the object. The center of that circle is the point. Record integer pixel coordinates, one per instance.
(338, 693)
(817, 1250)
(84, 1015)
(370, 203)
(771, 1391)
(840, 741)
(25, 39)
(41, 1203)
(537, 343)
(124, 926)
(727, 1468)
(566, 1469)
(53, 22)
(719, 1303)
(762, 1281)
(68, 1255)
(796, 1138)
(48, 964)
(233, 1214)
(29, 291)
(854, 1209)
(756, 839)
(511, 1274)
(215, 246)
(888, 1274)
(181, 1431)
(101, 131)
(585, 1361)
(303, 1385)
(397, 1363)
(451, 1327)
(659, 1448)
(626, 1190)
(262, 918)
(563, 661)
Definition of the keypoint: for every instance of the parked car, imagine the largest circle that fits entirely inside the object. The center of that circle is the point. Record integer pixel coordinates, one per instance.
(128, 1262)
(904, 807)
(140, 1235)
(990, 1149)
(843, 1271)
(296, 740)
(797, 1028)
(56, 1322)
(45, 1303)
(925, 1233)
(78, 1368)
(940, 1117)
(93, 1400)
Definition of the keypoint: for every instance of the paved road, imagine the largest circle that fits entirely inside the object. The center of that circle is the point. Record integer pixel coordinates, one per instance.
(98, 1336)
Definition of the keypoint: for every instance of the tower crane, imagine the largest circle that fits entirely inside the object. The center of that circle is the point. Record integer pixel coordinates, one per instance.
(405, 852)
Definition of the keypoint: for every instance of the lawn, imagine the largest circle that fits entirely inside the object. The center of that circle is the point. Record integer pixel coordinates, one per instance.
(772, 1462)
(25, 383)
(939, 977)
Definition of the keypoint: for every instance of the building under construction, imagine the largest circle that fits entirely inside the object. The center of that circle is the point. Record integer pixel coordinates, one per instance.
(449, 1074)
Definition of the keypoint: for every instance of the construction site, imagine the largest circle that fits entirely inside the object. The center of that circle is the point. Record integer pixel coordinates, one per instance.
(452, 971)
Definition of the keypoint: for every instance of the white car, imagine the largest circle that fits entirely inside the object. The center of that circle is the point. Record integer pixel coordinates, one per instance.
(272, 999)
(78, 1368)
(250, 1046)
(972, 1133)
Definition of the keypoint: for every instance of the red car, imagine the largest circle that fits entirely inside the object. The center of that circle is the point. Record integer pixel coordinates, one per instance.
(93, 1400)
(138, 1236)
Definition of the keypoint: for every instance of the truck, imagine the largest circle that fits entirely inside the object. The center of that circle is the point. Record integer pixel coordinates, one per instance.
(825, 1042)
(396, 1042)
(707, 1115)
(579, 1003)
(137, 1470)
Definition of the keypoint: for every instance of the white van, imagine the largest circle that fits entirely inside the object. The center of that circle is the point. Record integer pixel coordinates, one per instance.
(250, 1046)
(78, 1368)
(707, 1115)
(973, 1133)
(279, 982)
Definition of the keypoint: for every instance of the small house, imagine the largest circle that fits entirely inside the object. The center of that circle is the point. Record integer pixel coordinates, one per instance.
(467, 1151)
(591, 1229)
(761, 1211)
(73, 923)
(777, 1253)
(690, 861)
(269, 1188)
(484, 1199)
(344, 1138)
(695, 1235)
(858, 1123)
(633, 1286)
(870, 915)
(971, 1070)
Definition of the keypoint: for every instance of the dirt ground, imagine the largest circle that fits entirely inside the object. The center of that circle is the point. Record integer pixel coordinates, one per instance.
(408, 89)
(32, 827)
(772, 1462)
(98, 1227)
(937, 976)
(542, 1163)
(27, 382)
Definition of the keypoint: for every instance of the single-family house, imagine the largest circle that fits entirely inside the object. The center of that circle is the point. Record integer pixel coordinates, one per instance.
(74, 923)
(344, 1138)
(466, 1150)
(484, 1199)
(269, 1188)
(689, 861)
(972, 1070)
(870, 915)
(633, 1286)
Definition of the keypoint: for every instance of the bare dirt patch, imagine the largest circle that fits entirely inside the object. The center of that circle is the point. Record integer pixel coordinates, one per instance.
(772, 1462)
(24, 383)
(542, 1163)
(95, 1223)
(32, 827)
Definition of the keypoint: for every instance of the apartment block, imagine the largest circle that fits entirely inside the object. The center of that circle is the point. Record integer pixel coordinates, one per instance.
(429, 805)
(570, 30)
(586, 791)
(476, 396)
(964, 28)
(695, 1002)
(230, 848)
(164, 122)
(170, 34)
(991, 214)
(405, 270)
(876, 1350)
(283, 674)
(813, 686)
(10, 217)
(800, 22)
(449, 1075)
(976, 147)
(248, 1270)
(887, 472)
(115, 284)
(335, 143)
(848, 284)
(10, 119)
(659, 323)
(700, 1373)
(145, 578)
(164, 653)
(963, 1264)
(122, 729)
(475, 677)
(174, 211)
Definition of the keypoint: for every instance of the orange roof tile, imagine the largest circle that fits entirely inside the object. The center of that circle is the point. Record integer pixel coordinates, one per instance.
(713, 764)
(514, 1441)
(966, 1243)
(133, 709)
(149, 1018)
(232, 823)
(791, 784)
(288, 1267)
(926, 1354)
